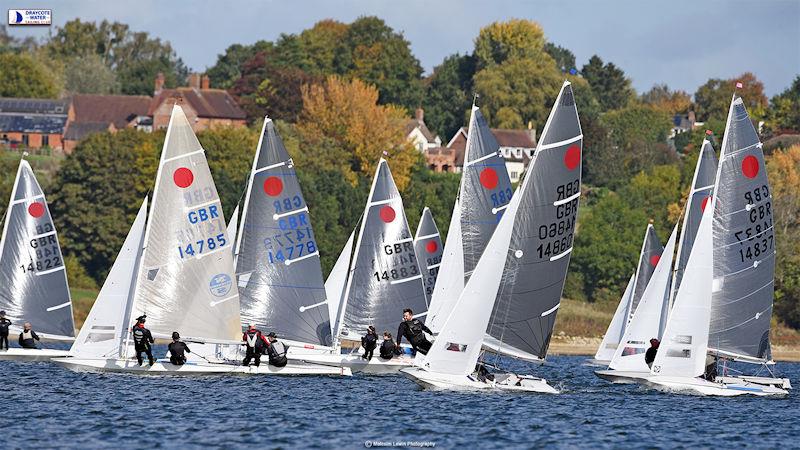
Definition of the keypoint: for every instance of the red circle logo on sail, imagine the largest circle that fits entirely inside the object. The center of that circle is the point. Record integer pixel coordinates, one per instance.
(431, 246)
(572, 157)
(489, 178)
(273, 186)
(654, 260)
(387, 214)
(183, 177)
(36, 209)
(704, 203)
(750, 166)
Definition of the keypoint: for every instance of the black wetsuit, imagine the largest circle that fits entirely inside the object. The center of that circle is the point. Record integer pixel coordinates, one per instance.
(255, 346)
(412, 330)
(277, 354)
(142, 343)
(176, 352)
(28, 342)
(4, 324)
(388, 349)
(650, 356)
(369, 342)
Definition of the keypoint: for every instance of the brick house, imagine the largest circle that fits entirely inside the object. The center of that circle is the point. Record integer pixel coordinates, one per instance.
(97, 113)
(33, 123)
(204, 107)
(418, 133)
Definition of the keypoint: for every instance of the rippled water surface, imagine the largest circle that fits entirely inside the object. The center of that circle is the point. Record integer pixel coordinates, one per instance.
(49, 407)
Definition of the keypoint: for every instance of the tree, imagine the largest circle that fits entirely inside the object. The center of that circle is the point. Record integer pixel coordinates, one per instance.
(713, 99)
(503, 41)
(671, 102)
(564, 58)
(449, 94)
(436, 190)
(348, 113)
(22, 76)
(784, 175)
(228, 68)
(230, 156)
(319, 45)
(612, 89)
(89, 75)
(785, 111)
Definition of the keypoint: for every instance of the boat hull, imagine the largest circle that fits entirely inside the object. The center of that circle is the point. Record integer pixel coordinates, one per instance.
(439, 381)
(597, 362)
(162, 367)
(708, 388)
(622, 376)
(354, 362)
(32, 354)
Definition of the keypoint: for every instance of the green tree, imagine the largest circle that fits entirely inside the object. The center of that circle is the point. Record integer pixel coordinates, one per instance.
(784, 176)
(713, 99)
(449, 95)
(514, 39)
(89, 75)
(671, 102)
(785, 111)
(22, 76)
(564, 58)
(230, 154)
(436, 190)
(612, 89)
(228, 68)
(319, 45)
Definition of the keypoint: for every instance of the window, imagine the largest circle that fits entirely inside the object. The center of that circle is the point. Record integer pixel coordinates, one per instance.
(45, 140)
(514, 175)
(445, 168)
(25, 140)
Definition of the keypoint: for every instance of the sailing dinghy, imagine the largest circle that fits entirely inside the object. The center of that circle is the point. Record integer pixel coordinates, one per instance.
(428, 245)
(723, 305)
(32, 272)
(518, 280)
(178, 270)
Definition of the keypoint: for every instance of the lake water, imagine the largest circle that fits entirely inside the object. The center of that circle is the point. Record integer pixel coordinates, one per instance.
(49, 407)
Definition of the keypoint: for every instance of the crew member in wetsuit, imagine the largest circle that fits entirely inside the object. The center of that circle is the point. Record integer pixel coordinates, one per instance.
(388, 348)
(276, 351)
(142, 341)
(482, 373)
(369, 342)
(650, 355)
(413, 329)
(256, 342)
(28, 337)
(4, 324)
(177, 349)
(710, 373)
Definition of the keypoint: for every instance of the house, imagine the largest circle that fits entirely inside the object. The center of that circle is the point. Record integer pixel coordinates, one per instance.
(516, 146)
(682, 123)
(441, 159)
(97, 113)
(204, 107)
(418, 133)
(33, 123)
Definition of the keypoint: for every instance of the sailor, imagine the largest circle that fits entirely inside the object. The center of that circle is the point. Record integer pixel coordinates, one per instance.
(388, 348)
(256, 343)
(142, 340)
(482, 373)
(413, 329)
(369, 342)
(710, 373)
(28, 337)
(650, 355)
(177, 349)
(4, 324)
(276, 351)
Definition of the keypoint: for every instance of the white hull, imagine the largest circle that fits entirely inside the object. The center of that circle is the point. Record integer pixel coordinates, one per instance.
(622, 376)
(31, 354)
(354, 362)
(704, 387)
(162, 367)
(597, 362)
(440, 381)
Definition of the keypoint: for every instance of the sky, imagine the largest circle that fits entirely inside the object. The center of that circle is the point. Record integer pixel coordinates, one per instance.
(681, 43)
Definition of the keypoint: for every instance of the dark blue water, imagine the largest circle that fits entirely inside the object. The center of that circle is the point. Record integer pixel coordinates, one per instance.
(46, 406)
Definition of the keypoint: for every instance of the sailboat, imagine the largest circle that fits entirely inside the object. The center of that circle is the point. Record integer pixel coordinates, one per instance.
(32, 272)
(648, 259)
(723, 305)
(177, 269)
(375, 277)
(428, 246)
(519, 278)
(484, 194)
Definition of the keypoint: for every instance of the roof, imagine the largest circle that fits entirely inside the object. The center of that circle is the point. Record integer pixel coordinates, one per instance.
(414, 123)
(117, 109)
(33, 106)
(79, 130)
(505, 138)
(32, 123)
(210, 103)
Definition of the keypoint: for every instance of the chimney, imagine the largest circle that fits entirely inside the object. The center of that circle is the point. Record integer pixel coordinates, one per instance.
(159, 83)
(205, 82)
(532, 132)
(420, 115)
(194, 80)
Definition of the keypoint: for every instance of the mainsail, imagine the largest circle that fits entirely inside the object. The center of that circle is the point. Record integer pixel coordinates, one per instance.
(384, 276)
(32, 272)
(277, 260)
(744, 244)
(428, 246)
(186, 280)
(648, 259)
(533, 277)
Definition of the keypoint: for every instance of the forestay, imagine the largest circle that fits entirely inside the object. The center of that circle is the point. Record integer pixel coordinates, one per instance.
(385, 277)
(277, 260)
(185, 280)
(32, 272)
(744, 244)
(428, 246)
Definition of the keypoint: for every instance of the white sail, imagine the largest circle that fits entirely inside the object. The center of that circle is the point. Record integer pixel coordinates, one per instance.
(616, 329)
(683, 348)
(186, 276)
(450, 282)
(337, 281)
(648, 315)
(106, 326)
(233, 225)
